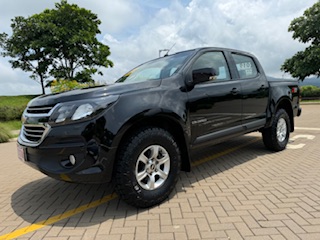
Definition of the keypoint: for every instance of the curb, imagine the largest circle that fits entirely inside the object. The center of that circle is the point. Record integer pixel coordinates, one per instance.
(309, 103)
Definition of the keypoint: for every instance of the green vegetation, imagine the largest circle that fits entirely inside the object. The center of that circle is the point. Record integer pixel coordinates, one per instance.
(310, 101)
(306, 30)
(59, 43)
(8, 113)
(310, 92)
(4, 134)
(15, 101)
(11, 109)
(67, 85)
(11, 125)
(8, 129)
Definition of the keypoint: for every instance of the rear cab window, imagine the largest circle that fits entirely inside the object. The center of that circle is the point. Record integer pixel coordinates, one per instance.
(246, 66)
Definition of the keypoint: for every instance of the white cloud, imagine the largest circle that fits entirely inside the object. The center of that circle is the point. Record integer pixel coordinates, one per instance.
(116, 16)
(16, 82)
(258, 26)
(137, 30)
(11, 9)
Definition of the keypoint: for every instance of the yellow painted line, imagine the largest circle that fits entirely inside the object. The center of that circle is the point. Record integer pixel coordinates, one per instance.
(57, 218)
(220, 154)
(105, 199)
(64, 177)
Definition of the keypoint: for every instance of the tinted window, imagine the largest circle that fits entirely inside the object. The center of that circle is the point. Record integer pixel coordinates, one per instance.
(159, 68)
(215, 60)
(245, 66)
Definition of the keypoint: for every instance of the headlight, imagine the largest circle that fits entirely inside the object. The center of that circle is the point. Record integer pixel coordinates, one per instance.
(83, 111)
(78, 110)
(64, 112)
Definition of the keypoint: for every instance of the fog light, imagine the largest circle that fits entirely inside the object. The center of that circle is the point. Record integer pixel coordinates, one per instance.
(72, 159)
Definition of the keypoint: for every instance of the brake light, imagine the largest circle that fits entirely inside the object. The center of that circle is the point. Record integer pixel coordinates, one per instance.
(294, 89)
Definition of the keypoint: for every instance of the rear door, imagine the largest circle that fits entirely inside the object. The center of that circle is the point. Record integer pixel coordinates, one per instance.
(214, 106)
(255, 90)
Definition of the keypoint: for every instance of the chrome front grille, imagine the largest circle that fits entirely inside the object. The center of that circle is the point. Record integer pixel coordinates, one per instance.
(35, 124)
(33, 133)
(39, 110)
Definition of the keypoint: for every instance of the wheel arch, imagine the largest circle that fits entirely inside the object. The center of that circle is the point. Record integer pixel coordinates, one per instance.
(168, 123)
(284, 103)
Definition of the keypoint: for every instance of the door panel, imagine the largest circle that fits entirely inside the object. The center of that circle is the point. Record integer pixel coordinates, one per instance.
(215, 104)
(214, 107)
(255, 99)
(255, 89)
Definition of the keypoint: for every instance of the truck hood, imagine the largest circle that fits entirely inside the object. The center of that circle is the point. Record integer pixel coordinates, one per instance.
(94, 92)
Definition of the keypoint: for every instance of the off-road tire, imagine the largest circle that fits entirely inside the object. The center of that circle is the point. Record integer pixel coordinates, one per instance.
(134, 191)
(277, 135)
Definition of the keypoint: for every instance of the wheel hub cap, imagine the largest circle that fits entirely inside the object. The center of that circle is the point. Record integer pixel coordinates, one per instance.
(152, 167)
(281, 130)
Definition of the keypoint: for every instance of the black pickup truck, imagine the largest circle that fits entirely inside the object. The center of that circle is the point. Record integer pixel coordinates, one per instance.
(141, 131)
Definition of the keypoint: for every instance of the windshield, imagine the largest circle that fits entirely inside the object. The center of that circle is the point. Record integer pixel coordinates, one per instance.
(156, 69)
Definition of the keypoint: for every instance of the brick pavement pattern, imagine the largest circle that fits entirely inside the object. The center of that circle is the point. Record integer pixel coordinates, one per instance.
(250, 193)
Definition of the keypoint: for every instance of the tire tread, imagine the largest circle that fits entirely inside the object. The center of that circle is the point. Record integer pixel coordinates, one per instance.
(269, 134)
(124, 164)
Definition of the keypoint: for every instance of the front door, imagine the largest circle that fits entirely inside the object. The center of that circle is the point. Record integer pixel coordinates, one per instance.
(215, 106)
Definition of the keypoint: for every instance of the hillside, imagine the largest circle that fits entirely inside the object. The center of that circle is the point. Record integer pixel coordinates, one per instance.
(308, 81)
(311, 81)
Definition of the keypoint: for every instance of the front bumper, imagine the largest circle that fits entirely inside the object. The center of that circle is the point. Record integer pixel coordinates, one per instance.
(74, 153)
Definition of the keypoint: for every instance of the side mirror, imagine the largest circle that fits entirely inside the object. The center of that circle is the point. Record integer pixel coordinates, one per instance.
(203, 75)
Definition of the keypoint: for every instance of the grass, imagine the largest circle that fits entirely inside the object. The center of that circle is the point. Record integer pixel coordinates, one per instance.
(7, 128)
(310, 101)
(15, 101)
(11, 125)
(10, 107)
(5, 135)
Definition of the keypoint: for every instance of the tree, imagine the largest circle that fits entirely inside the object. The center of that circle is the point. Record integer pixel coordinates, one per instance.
(307, 30)
(59, 42)
(27, 48)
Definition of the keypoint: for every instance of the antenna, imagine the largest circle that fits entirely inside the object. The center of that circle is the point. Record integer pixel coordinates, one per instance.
(169, 50)
(166, 50)
(163, 50)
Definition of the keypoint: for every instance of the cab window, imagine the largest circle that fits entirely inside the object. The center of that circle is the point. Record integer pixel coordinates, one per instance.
(245, 66)
(157, 69)
(216, 61)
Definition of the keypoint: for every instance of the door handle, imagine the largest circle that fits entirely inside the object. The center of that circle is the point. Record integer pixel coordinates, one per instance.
(234, 91)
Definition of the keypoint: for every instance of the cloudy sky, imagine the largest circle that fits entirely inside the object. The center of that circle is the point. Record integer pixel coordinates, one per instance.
(135, 31)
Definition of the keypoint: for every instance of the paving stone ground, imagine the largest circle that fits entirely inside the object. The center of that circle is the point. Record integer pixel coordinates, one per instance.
(243, 192)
